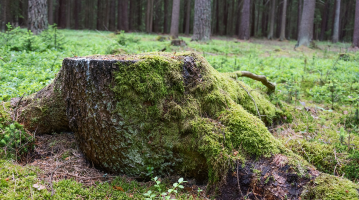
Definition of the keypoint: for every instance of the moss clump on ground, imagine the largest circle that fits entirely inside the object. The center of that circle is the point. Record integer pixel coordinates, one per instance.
(331, 187)
(182, 114)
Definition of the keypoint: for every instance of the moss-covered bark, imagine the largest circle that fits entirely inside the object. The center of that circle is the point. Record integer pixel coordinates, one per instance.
(172, 112)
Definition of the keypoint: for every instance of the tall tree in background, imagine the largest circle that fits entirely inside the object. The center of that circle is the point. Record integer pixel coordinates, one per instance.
(306, 23)
(62, 14)
(77, 10)
(244, 29)
(51, 12)
(37, 16)
(3, 9)
(336, 22)
(272, 21)
(175, 18)
(356, 26)
(165, 17)
(188, 17)
(300, 12)
(324, 20)
(112, 17)
(284, 16)
(122, 23)
(149, 16)
(202, 20)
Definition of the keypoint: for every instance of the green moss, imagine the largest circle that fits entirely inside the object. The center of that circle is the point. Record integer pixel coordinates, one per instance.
(330, 187)
(172, 123)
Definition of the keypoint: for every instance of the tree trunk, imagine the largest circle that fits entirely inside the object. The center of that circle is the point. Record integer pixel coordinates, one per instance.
(37, 16)
(99, 15)
(284, 16)
(253, 18)
(306, 23)
(202, 20)
(175, 18)
(272, 21)
(336, 22)
(112, 17)
(217, 17)
(62, 14)
(3, 9)
(188, 17)
(77, 11)
(122, 127)
(165, 17)
(149, 16)
(68, 14)
(324, 20)
(244, 27)
(225, 17)
(51, 12)
(125, 14)
(300, 6)
(356, 26)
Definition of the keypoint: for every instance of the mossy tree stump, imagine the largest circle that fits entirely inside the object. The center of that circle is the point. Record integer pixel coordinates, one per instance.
(173, 112)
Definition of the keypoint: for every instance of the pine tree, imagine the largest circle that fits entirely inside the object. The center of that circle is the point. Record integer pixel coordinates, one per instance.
(37, 16)
(306, 23)
(202, 20)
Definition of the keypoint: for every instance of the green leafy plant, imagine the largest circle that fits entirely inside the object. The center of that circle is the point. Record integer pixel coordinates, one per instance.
(166, 195)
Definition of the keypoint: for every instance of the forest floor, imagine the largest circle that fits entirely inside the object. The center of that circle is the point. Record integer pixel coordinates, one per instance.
(319, 86)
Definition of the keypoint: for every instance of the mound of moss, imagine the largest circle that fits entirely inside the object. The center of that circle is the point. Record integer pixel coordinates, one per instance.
(186, 116)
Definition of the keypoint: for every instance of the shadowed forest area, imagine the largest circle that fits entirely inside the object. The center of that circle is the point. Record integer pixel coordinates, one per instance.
(179, 99)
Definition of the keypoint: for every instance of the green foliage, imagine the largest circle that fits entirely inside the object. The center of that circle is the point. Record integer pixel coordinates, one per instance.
(125, 40)
(165, 195)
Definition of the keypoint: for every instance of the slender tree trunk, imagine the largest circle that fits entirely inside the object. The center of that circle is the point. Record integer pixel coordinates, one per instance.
(3, 8)
(356, 26)
(62, 13)
(284, 16)
(217, 18)
(336, 22)
(165, 17)
(202, 20)
(51, 12)
(175, 18)
(324, 20)
(112, 17)
(253, 18)
(149, 16)
(306, 23)
(225, 17)
(68, 14)
(299, 16)
(37, 16)
(77, 11)
(244, 27)
(272, 20)
(188, 17)
(99, 15)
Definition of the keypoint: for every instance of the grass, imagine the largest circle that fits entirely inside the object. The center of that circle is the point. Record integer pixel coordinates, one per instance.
(325, 83)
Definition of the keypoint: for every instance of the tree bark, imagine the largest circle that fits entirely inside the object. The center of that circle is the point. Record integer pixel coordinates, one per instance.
(175, 18)
(99, 15)
(3, 9)
(244, 27)
(272, 20)
(225, 17)
(284, 16)
(202, 20)
(356, 26)
(68, 13)
(37, 16)
(253, 18)
(149, 16)
(336, 22)
(306, 24)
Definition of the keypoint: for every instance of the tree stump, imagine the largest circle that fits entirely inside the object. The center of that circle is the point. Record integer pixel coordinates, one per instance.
(173, 112)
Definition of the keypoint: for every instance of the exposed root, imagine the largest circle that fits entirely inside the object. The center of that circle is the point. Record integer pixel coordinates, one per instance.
(261, 78)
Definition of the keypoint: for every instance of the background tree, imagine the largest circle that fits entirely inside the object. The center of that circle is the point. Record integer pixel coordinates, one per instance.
(123, 15)
(202, 20)
(188, 16)
(272, 20)
(149, 16)
(244, 27)
(37, 16)
(306, 23)
(356, 26)
(284, 16)
(175, 18)
(336, 22)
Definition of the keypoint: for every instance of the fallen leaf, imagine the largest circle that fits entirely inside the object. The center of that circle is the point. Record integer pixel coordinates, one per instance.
(235, 153)
(346, 191)
(118, 188)
(67, 158)
(7, 179)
